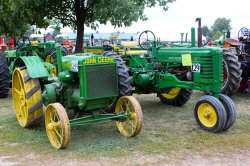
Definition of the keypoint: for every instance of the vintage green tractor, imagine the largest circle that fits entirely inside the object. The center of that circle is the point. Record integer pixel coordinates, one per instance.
(172, 73)
(84, 90)
(46, 51)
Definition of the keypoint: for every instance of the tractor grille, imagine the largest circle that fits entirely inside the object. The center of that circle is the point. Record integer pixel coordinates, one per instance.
(206, 68)
(101, 80)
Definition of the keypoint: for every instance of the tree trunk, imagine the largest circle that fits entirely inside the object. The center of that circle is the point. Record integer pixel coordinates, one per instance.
(79, 37)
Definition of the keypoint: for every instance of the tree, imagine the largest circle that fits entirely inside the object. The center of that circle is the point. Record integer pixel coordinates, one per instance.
(221, 25)
(217, 35)
(113, 37)
(80, 13)
(205, 31)
(17, 16)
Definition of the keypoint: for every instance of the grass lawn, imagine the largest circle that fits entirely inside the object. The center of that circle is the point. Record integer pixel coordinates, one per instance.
(170, 136)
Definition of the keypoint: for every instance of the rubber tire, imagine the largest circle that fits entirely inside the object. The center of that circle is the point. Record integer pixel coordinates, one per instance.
(125, 88)
(234, 71)
(4, 76)
(179, 100)
(230, 109)
(220, 111)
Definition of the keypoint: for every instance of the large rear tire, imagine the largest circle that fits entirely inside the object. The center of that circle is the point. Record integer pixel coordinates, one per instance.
(231, 71)
(27, 98)
(123, 75)
(4, 77)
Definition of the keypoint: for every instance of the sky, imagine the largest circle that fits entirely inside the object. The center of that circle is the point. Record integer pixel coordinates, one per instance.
(181, 16)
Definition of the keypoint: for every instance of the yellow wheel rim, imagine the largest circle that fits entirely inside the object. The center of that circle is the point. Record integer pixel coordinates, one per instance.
(57, 125)
(20, 102)
(207, 115)
(130, 126)
(172, 93)
(27, 100)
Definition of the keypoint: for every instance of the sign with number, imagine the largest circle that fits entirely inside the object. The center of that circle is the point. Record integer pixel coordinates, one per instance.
(74, 66)
(196, 68)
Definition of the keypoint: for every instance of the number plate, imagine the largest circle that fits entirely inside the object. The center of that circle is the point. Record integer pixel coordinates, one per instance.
(196, 68)
(74, 66)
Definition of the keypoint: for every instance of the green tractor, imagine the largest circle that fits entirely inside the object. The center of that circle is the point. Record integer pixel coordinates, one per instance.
(172, 73)
(46, 51)
(82, 92)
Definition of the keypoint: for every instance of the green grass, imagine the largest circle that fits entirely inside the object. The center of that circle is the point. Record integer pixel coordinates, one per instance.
(167, 131)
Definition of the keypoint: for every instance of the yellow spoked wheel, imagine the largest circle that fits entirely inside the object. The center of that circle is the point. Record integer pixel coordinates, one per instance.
(27, 99)
(130, 126)
(210, 113)
(57, 125)
(207, 115)
(172, 93)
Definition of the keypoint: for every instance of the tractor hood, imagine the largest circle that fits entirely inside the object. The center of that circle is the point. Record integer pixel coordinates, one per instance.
(72, 62)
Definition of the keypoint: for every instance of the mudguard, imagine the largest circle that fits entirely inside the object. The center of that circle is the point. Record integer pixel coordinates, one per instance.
(34, 65)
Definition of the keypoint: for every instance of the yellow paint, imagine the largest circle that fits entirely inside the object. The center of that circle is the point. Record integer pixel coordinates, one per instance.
(172, 93)
(129, 43)
(131, 126)
(57, 125)
(34, 43)
(207, 115)
(95, 51)
(22, 104)
(136, 52)
(95, 60)
(186, 59)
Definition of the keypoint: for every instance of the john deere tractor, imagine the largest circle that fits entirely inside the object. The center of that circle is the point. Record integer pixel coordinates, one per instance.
(46, 51)
(172, 73)
(82, 92)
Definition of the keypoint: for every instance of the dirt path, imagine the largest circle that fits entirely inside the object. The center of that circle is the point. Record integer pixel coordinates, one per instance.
(238, 158)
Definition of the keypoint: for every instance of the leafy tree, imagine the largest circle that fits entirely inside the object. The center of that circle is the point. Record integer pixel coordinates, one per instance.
(113, 37)
(18, 15)
(91, 13)
(205, 31)
(217, 35)
(221, 25)
(57, 29)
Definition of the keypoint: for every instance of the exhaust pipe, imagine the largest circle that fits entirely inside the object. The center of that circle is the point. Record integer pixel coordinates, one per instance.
(199, 31)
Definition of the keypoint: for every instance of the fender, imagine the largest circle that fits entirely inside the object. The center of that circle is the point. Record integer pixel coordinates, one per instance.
(34, 65)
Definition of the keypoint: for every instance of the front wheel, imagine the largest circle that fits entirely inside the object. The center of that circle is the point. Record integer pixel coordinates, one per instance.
(132, 125)
(230, 110)
(57, 125)
(210, 114)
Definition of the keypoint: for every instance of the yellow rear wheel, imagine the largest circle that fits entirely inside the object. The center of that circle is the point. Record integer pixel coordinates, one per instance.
(175, 96)
(130, 126)
(27, 99)
(57, 125)
(172, 93)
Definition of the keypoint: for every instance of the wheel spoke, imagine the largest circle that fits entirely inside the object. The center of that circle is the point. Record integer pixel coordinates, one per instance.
(58, 134)
(17, 91)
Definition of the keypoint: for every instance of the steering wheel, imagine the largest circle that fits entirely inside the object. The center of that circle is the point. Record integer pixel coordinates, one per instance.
(145, 39)
(243, 33)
